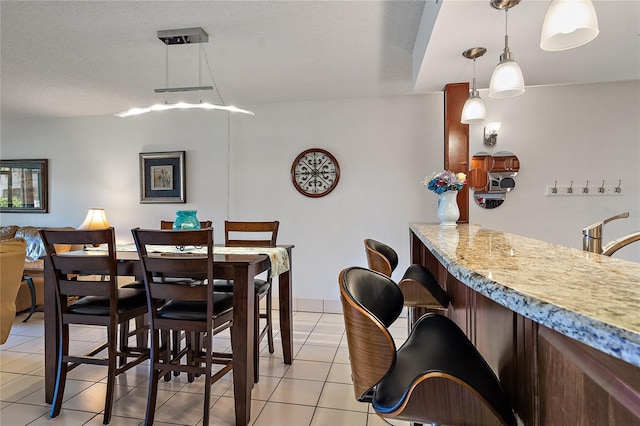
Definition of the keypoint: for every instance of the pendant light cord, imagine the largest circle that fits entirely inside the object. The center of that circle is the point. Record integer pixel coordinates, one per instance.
(506, 32)
(166, 65)
(228, 163)
(215, 85)
(200, 66)
(473, 87)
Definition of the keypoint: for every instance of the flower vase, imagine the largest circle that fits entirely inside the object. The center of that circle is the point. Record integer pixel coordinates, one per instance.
(448, 212)
(186, 219)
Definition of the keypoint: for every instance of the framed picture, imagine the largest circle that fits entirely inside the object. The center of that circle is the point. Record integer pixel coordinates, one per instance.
(23, 186)
(162, 177)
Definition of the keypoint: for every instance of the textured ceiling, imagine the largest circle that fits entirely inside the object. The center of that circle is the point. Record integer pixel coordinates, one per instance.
(613, 56)
(75, 58)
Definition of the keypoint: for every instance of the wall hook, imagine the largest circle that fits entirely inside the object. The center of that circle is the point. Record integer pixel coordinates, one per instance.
(570, 188)
(554, 190)
(617, 189)
(585, 190)
(601, 189)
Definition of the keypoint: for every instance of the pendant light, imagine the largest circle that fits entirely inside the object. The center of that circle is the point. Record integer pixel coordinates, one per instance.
(180, 37)
(568, 24)
(507, 80)
(474, 110)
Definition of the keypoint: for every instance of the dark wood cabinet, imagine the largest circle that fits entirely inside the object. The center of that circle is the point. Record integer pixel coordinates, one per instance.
(505, 164)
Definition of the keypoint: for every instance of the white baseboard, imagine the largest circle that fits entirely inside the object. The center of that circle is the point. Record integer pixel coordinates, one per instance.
(319, 306)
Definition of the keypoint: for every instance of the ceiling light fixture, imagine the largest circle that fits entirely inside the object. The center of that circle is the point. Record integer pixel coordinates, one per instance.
(507, 80)
(185, 36)
(568, 24)
(474, 109)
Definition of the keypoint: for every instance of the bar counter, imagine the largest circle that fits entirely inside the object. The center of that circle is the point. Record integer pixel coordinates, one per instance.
(559, 326)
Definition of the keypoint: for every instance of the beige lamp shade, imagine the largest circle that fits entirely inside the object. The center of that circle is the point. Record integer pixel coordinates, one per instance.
(568, 24)
(96, 219)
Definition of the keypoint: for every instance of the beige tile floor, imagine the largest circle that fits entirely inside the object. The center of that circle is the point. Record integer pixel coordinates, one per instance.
(315, 390)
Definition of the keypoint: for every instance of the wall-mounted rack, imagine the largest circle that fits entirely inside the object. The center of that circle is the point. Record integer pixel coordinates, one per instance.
(577, 189)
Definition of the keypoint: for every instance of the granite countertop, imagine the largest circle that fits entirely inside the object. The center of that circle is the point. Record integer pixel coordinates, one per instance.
(592, 298)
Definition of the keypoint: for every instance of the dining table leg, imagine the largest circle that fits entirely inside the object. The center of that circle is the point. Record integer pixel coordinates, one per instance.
(50, 333)
(242, 341)
(286, 313)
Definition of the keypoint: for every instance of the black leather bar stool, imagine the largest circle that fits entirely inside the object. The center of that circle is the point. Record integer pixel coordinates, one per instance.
(436, 376)
(419, 288)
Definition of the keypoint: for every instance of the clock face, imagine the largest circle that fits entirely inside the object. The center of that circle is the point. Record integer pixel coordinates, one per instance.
(315, 172)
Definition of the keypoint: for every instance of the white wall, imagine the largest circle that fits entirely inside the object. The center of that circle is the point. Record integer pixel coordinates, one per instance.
(385, 147)
(564, 133)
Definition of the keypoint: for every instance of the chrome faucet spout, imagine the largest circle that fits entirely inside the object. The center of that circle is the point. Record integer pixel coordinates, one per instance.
(617, 244)
(592, 234)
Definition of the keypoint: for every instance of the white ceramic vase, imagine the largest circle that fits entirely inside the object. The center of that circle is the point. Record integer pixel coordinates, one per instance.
(448, 212)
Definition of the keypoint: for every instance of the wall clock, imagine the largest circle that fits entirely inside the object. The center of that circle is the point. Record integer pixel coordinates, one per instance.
(315, 172)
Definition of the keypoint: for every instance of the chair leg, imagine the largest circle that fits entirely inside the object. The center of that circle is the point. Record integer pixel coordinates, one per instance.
(256, 340)
(154, 376)
(142, 323)
(123, 342)
(175, 346)
(269, 317)
(165, 348)
(32, 292)
(208, 350)
(61, 373)
(191, 343)
(111, 374)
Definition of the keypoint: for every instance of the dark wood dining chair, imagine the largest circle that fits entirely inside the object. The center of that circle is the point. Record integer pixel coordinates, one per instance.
(183, 300)
(254, 234)
(176, 336)
(419, 288)
(92, 279)
(436, 377)
(168, 224)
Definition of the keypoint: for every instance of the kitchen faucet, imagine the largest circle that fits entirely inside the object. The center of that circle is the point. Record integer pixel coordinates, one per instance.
(592, 237)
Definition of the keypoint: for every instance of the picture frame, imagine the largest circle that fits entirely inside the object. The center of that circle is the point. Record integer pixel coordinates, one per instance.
(162, 177)
(24, 186)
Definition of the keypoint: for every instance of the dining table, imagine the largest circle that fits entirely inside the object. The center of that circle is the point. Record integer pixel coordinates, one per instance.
(241, 266)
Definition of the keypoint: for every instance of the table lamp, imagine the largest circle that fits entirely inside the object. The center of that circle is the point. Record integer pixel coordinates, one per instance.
(96, 219)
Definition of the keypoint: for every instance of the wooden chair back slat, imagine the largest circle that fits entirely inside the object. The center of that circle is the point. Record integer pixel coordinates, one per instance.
(72, 271)
(251, 234)
(85, 288)
(91, 265)
(161, 268)
(180, 267)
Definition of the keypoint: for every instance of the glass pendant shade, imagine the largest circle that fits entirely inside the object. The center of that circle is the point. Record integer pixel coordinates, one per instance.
(568, 24)
(474, 110)
(507, 80)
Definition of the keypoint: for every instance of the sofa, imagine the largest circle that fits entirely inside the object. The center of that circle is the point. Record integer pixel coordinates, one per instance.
(33, 264)
(12, 255)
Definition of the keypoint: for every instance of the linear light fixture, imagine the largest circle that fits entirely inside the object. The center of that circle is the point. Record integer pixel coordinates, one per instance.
(177, 37)
(181, 105)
